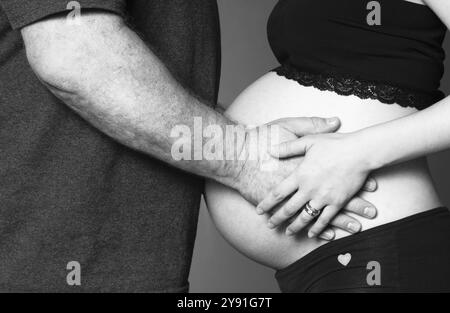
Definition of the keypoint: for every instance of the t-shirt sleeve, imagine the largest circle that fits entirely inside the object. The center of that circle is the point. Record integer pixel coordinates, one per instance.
(24, 12)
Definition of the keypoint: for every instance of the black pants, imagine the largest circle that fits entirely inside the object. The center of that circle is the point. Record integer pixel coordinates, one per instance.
(409, 255)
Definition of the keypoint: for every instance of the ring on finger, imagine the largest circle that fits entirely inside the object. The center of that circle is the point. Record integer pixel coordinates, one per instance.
(311, 211)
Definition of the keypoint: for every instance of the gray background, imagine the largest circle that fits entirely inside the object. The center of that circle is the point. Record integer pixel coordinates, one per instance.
(217, 267)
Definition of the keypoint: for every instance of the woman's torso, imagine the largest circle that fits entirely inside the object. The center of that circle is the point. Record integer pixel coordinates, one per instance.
(404, 190)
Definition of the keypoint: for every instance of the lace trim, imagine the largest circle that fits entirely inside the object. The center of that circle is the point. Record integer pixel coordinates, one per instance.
(347, 85)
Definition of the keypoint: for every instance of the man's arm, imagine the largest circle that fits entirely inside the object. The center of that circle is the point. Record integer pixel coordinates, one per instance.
(105, 72)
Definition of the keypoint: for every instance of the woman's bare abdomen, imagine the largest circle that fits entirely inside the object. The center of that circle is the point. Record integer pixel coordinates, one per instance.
(404, 190)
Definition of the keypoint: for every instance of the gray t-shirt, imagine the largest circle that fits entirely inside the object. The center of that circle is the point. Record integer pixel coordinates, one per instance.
(69, 192)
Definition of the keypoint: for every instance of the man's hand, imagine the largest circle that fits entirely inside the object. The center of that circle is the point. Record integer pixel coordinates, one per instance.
(104, 71)
(261, 172)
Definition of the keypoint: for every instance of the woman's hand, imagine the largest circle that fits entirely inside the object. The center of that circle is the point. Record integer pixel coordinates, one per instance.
(333, 171)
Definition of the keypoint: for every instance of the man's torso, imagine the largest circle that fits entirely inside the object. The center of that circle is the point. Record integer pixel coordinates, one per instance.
(70, 193)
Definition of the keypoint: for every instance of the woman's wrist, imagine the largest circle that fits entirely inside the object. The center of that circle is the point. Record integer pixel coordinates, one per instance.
(368, 151)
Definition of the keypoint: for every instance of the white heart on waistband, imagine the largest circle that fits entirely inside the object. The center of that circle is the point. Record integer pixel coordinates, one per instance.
(344, 259)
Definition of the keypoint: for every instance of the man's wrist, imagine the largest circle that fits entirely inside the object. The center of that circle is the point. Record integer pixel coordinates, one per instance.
(228, 170)
(235, 166)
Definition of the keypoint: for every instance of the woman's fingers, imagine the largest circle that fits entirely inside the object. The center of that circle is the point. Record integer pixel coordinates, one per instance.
(328, 217)
(303, 219)
(277, 195)
(341, 221)
(371, 185)
(288, 210)
(322, 221)
(362, 208)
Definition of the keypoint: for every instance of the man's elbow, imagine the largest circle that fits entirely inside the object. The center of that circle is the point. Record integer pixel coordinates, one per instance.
(62, 55)
(55, 72)
(52, 59)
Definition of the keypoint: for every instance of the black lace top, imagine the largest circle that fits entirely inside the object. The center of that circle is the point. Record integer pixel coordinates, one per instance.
(346, 85)
(329, 45)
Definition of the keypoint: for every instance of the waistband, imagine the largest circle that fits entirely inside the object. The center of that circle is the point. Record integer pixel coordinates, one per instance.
(378, 242)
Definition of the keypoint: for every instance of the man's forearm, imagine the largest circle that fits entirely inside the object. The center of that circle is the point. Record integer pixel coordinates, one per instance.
(107, 74)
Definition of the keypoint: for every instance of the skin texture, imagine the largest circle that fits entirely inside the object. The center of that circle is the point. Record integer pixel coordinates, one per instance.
(328, 183)
(403, 190)
(103, 71)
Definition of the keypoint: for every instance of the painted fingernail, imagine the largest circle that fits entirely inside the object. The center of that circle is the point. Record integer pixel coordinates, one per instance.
(353, 227)
(289, 232)
(259, 211)
(370, 212)
(271, 225)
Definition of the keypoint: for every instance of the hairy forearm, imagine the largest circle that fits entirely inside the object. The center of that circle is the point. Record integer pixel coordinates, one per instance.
(413, 136)
(106, 73)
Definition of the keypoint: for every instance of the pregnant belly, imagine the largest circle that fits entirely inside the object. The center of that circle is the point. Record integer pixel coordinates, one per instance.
(404, 190)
